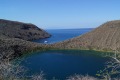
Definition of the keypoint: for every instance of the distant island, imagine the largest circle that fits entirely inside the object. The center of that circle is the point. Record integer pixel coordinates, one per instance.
(15, 38)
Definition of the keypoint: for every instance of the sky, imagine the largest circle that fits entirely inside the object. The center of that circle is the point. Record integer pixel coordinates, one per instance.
(61, 14)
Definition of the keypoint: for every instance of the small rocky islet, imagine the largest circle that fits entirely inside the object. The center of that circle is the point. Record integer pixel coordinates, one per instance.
(15, 38)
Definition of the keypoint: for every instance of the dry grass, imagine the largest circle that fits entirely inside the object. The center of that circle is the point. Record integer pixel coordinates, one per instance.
(38, 76)
(81, 77)
(8, 71)
(12, 71)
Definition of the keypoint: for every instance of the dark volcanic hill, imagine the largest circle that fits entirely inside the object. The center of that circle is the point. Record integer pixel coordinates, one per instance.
(14, 36)
(106, 37)
(25, 31)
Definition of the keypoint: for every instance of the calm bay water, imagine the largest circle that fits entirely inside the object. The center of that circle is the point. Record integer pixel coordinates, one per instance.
(61, 64)
(63, 34)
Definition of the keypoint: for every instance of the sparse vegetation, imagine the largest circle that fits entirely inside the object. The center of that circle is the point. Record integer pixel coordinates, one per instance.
(81, 77)
(103, 38)
(13, 71)
(13, 47)
(112, 67)
(38, 76)
(8, 71)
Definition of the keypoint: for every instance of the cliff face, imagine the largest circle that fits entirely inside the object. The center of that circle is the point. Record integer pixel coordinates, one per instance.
(14, 29)
(106, 37)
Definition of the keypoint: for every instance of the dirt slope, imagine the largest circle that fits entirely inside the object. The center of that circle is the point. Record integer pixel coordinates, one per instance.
(106, 37)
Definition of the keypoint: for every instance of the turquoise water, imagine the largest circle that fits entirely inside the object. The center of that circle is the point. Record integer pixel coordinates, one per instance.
(62, 64)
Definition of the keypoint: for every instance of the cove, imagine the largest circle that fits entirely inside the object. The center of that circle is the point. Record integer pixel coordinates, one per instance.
(62, 34)
(64, 63)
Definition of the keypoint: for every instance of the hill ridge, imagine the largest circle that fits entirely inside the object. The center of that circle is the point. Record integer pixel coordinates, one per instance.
(104, 38)
(25, 31)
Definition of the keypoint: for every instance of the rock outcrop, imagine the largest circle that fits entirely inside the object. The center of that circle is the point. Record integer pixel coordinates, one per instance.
(25, 31)
(106, 37)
